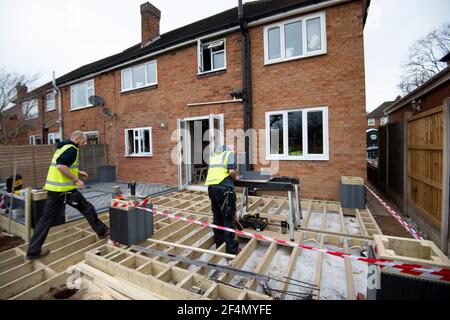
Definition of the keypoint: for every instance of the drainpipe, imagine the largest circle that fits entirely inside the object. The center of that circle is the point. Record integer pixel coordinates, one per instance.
(60, 117)
(246, 81)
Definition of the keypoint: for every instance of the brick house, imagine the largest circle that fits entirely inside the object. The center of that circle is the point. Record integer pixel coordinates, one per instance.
(306, 86)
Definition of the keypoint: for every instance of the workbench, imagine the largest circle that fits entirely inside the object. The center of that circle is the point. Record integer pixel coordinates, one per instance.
(259, 182)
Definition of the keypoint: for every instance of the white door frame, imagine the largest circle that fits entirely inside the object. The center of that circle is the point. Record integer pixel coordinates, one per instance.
(183, 182)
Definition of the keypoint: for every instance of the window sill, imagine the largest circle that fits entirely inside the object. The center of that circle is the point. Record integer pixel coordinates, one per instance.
(49, 110)
(315, 54)
(81, 108)
(211, 73)
(138, 155)
(149, 87)
(309, 158)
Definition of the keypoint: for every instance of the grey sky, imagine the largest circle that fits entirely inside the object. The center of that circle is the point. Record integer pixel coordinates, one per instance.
(39, 36)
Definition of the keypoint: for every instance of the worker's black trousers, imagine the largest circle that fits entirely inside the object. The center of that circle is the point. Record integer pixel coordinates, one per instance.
(225, 217)
(53, 206)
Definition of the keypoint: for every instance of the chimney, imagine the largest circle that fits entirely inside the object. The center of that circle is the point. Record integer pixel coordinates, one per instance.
(21, 90)
(150, 17)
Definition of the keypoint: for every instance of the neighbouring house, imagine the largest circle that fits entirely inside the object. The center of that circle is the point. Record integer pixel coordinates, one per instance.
(415, 155)
(39, 108)
(294, 68)
(375, 119)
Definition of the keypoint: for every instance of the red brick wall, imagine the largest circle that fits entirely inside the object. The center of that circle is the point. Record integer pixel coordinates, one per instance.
(335, 80)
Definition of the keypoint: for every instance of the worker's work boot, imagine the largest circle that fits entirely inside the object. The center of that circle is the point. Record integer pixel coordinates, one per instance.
(106, 234)
(44, 252)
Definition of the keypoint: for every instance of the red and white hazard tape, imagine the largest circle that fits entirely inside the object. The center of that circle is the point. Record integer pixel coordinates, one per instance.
(437, 274)
(397, 216)
(129, 203)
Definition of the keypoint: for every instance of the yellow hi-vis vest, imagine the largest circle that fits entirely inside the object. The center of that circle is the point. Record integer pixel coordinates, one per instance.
(56, 181)
(217, 171)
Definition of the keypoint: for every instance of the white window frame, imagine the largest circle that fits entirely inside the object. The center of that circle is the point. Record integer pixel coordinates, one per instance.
(384, 120)
(306, 155)
(32, 139)
(26, 108)
(85, 83)
(371, 122)
(305, 53)
(51, 136)
(52, 97)
(140, 153)
(200, 45)
(147, 83)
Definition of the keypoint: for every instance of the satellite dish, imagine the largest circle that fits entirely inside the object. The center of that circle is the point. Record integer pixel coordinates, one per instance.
(96, 101)
(107, 113)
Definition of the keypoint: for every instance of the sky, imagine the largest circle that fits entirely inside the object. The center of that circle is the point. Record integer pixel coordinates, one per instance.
(39, 36)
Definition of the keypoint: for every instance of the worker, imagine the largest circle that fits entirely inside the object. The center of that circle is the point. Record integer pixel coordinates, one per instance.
(220, 182)
(62, 187)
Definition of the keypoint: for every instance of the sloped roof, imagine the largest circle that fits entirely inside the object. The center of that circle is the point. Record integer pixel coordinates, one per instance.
(378, 112)
(222, 21)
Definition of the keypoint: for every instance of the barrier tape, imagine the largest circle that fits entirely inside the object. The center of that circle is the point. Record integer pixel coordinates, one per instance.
(129, 203)
(398, 217)
(436, 274)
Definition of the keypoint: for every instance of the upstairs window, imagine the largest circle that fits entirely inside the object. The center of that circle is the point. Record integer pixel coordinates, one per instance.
(293, 39)
(138, 142)
(50, 102)
(140, 76)
(30, 109)
(297, 134)
(371, 122)
(211, 56)
(80, 93)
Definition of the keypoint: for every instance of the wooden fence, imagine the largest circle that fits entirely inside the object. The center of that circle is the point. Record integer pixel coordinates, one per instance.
(425, 163)
(33, 162)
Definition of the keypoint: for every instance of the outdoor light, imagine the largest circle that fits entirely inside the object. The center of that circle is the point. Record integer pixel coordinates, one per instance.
(416, 105)
(163, 125)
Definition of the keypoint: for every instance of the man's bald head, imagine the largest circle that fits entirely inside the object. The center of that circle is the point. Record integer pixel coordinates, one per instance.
(79, 137)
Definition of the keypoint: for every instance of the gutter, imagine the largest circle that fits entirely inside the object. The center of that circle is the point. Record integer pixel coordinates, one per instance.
(60, 117)
(218, 33)
(425, 88)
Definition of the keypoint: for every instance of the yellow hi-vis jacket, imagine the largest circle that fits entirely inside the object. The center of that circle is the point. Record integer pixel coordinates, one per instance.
(218, 171)
(56, 181)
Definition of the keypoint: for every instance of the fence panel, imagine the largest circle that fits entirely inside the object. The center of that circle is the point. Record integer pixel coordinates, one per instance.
(425, 162)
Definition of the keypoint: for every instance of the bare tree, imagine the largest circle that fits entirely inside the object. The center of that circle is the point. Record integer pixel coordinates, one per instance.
(424, 56)
(13, 116)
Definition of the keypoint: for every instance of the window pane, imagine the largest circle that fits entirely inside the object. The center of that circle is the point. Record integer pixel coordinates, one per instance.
(139, 76)
(146, 134)
(295, 131)
(293, 38)
(315, 132)
(79, 96)
(276, 134)
(151, 73)
(90, 91)
(126, 80)
(130, 142)
(274, 43)
(207, 60)
(218, 60)
(314, 34)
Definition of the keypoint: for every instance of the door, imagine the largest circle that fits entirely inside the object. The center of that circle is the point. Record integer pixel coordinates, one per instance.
(183, 166)
(216, 132)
